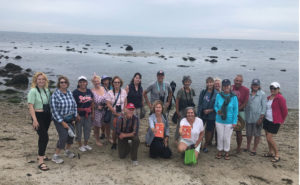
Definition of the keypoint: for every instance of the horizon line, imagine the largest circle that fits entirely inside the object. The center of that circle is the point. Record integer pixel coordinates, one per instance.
(147, 36)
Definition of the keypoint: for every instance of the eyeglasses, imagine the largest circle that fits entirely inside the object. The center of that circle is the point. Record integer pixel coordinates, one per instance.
(117, 82)
(63, 82)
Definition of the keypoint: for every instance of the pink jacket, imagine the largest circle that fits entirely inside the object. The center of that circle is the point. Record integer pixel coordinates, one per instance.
(279, 109)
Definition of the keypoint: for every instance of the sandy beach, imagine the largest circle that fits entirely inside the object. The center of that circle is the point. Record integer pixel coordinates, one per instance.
(18, 143)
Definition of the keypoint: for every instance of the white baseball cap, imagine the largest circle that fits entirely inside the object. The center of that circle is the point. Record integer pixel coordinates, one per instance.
(82, 78)
(275, 84)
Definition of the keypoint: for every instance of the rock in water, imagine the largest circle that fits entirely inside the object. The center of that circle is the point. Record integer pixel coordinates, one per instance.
(283, 70)
(20, 80)
(129, 48)
(272, 58)
(18, 57)
(192, 58)
(214, 48)
(184, 58)
(10, 67)
(213, 61)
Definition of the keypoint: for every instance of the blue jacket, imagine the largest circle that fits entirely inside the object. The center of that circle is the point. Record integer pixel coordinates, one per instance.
(232, 109)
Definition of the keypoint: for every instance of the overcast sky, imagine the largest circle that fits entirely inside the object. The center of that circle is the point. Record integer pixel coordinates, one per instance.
(236, 19)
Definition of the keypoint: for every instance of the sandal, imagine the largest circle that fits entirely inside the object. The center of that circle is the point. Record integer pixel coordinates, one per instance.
(226, 157)
(275, 159)
(252, 153)
(43, 167)
(45, 158)
(268, 155)
(218, 156)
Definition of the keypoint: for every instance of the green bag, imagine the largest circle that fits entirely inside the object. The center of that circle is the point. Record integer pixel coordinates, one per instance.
(189, 157)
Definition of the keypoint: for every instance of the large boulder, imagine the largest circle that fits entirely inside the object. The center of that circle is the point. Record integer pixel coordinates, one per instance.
(18, 57)
(10, 67)
(129, 48)
(20, 80)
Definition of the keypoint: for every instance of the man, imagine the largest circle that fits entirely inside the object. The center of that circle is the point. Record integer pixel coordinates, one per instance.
(159, 90)
(242, 94)
(127, 130)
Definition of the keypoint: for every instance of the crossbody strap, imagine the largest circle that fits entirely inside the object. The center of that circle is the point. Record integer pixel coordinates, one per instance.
(117, 98)
(41, 95)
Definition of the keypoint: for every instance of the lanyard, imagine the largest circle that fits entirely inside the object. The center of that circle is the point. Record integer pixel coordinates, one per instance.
(158, 88)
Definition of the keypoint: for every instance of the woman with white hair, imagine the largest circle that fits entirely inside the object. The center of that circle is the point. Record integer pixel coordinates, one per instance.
(275, 115)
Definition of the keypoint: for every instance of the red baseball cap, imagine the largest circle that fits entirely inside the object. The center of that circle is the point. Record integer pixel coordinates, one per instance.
(130, 106)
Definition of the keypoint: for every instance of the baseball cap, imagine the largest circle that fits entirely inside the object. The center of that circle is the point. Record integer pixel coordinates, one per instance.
(255, 82)
(130, 106)
(82, 78)
(226, 82)
(104, 77)
(275, 84)
(161, 72)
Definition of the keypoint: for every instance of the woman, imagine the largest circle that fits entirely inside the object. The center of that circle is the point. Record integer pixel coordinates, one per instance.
(197, 132)
(217, 84)
(255, 113)
(158, 132)
(85, 108)
(226, 107)
(64, 111)
(184, 99)
(135, 93)
(275, 115)
(206, 110)
(99, 103)
(38, 103)
(116, 100)
(105, 128)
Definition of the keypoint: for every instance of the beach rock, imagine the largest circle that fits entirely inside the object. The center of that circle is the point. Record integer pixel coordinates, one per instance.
(19, 81)
(121, 47)
(171, 57)
(213, 61)
(192, 58)
(214, 48)
(106, 43)
(236, 50)
(283, 70)
(161, 48)
(28, 70)
(70, 49)
(128, 48)
(9, 91)
(85, 48)
(151, 63)
(212, 56)
(6, 57)
(243, 65)
(228, 59)
(67, 41)
(161, 56)
(87, 45)
(182, 66)
(10, 67)
(156, 53)
(15, 47)
(109, 46)
(272, 58)
(79, 51)
(206, 60)
(184, 58)
(18, 57)
(234, 57)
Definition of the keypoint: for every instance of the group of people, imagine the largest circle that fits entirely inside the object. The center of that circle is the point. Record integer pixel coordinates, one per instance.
(114, 114)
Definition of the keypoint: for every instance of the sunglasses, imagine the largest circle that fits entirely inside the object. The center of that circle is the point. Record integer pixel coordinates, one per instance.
(117, 82)
(63, 82)
(272, 88)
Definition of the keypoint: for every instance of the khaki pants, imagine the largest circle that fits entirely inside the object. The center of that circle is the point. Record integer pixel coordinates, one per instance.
(124, 148)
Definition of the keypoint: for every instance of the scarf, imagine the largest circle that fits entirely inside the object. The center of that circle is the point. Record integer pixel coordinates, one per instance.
(225, 104)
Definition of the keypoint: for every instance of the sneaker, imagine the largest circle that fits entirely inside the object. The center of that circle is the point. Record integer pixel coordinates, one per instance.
(87, 147)
(57, 159)
(114, 146)
(135, 163)
(205, 150)
(69, 154)
(82, 149)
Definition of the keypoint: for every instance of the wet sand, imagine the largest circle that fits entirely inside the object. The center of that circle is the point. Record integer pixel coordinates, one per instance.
(18, 164)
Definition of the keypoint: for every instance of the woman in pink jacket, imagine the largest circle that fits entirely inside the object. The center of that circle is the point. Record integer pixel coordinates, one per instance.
(275, 115)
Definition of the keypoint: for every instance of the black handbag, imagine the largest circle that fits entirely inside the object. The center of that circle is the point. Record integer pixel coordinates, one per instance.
(175, 118)
(108, 113)
(46, 107)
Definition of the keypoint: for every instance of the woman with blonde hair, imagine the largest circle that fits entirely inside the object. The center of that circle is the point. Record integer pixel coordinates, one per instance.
(38, 103)
(158, 132)
(99, 104)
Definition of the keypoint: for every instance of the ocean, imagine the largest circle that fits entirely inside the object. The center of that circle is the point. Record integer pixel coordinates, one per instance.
(106, 55)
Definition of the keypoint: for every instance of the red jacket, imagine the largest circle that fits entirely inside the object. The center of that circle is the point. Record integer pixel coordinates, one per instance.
(279, 109)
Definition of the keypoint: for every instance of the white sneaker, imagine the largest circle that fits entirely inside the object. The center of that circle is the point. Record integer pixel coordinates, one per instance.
(69, 154)
(87, 147)
(135, 163)
(82, 148)
(57, 159)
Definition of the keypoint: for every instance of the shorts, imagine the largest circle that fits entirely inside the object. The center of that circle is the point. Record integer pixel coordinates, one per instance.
(189, 143)
(210, 125)
(240, 123)
(270, 127)
(253, 130)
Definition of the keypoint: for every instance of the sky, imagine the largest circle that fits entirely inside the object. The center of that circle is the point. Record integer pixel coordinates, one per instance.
(225, 19)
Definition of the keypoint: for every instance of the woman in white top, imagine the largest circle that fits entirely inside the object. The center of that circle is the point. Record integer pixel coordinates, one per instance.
(197, 131)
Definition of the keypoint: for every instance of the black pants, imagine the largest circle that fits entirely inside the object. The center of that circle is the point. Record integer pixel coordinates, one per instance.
(158, 149)
(124, 148)
(44, 120)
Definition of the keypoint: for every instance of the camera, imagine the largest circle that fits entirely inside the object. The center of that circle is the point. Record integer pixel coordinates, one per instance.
(162, 98)
(118, 108)
(46, 108)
